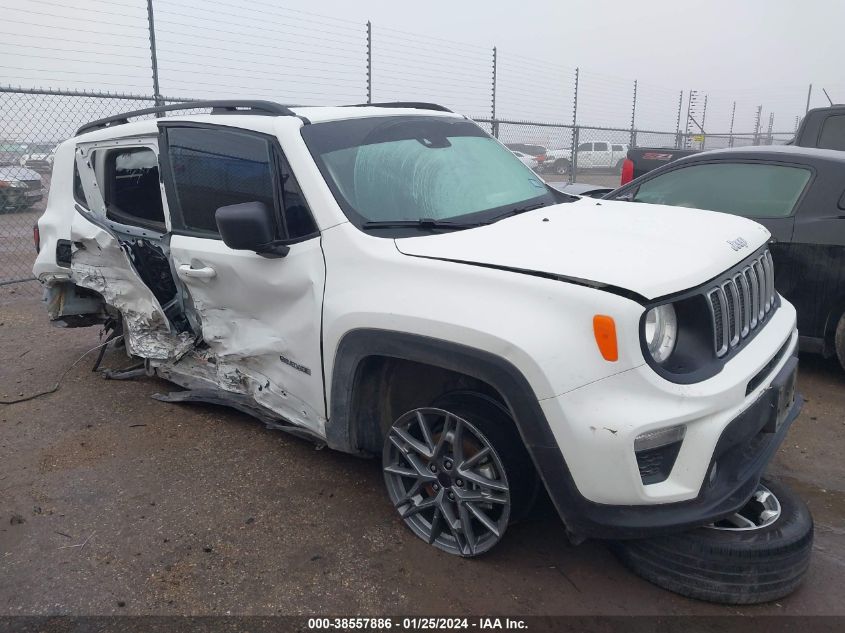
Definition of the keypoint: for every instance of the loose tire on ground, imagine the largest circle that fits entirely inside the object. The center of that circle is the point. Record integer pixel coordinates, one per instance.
(730, 566)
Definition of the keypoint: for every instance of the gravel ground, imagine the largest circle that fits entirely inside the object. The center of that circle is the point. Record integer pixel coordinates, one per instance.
(114, 503)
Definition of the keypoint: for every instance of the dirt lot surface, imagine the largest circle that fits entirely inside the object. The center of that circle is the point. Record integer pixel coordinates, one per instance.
(111, 502)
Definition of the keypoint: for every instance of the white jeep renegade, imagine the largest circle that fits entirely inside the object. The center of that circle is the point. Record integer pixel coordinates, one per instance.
(390, 280)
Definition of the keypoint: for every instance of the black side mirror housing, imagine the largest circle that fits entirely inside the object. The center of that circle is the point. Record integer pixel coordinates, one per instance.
(250, 226)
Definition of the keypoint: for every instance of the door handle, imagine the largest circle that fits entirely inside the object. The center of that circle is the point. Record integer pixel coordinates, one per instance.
(200, 273)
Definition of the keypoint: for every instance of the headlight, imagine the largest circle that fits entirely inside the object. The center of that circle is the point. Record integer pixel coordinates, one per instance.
(661, 331)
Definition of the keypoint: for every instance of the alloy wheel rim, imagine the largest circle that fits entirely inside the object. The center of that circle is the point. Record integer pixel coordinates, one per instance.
(446, 481)
(762, 510)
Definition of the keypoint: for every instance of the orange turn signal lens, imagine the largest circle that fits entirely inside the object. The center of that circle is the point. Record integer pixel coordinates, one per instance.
(604, 327)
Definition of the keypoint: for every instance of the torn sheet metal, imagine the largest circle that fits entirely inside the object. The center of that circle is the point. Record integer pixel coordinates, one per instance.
(99, 263)
(242, 403)
(260, 320)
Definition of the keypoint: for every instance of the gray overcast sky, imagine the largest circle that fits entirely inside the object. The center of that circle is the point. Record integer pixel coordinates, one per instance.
(754, 52)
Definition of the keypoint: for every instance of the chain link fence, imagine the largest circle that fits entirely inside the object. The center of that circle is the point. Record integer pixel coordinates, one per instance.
(32, 124)
(34, 121)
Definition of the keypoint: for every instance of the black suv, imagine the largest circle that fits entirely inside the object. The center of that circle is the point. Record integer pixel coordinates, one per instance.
(798, 193)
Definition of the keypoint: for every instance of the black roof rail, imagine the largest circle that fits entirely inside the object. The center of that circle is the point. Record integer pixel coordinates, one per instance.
(417, 105)
(268, 108)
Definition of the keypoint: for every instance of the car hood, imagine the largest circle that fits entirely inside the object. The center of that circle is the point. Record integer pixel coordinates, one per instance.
(13, 172)
(651, 250)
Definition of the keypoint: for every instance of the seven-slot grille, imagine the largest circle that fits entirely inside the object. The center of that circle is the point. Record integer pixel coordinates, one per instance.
(742, 302)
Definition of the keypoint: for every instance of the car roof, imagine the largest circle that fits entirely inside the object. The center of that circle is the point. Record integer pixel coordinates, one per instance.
(791, 152)
(307, 114)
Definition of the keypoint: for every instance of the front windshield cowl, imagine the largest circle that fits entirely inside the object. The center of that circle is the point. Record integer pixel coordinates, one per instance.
(406, 171)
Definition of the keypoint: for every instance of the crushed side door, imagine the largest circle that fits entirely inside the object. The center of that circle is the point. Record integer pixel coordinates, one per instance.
(102, 260)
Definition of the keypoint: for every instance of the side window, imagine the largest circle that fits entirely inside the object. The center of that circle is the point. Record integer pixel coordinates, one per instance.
(600, 147)
(213, 168)
(585, 147)
(617, 148)
(297, 216)
(131, 187)
(78, 191)
(833, 133)
(753, 190)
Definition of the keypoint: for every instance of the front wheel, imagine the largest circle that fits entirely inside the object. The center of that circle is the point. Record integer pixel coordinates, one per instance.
(457, 473)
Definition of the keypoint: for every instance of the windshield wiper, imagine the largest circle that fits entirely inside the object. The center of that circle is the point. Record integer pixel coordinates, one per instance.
(422, 223)
(517, 211)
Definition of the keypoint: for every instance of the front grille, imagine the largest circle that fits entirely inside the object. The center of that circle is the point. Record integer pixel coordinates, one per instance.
(741, 303)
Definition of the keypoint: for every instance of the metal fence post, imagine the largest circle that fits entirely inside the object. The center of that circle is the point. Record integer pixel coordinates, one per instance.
(573, 163)
(369, 62)
(757, 124)
(153, 57)
(731, 131)
(690, 97)
(633, 140)
(495, 123)
(678, 122)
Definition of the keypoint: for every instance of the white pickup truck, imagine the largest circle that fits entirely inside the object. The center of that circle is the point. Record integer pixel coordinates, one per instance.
(389, 280)
(591, 155)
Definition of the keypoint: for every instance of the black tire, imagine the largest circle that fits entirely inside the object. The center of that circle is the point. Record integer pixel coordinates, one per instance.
(461, 457)
(839, 341)
(561, 167)
(728, 566)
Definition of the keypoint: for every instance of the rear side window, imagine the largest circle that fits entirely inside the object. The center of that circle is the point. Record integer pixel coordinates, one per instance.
(600, 147)
(617, 148)
(753, 190)
(585, 147)
(833, 133)
(132, 191)
(78, 191)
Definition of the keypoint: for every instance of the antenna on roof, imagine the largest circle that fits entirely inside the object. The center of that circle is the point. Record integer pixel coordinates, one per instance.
(828, 96)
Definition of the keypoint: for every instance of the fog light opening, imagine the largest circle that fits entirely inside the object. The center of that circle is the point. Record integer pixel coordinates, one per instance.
(656, 452)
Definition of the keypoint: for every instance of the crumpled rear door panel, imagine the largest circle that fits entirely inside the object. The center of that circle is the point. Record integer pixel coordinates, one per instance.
(101, 263)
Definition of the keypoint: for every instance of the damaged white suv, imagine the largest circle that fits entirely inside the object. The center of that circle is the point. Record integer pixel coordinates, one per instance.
(390, 280)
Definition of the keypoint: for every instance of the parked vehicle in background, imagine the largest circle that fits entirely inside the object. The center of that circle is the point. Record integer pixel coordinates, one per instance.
(529, 161)
(823, 128)
(20, 188)
(591, 155)
(363, 276)
(38, 157)
(798, 194)
(641, 160)
(11, 152)
(526, 151)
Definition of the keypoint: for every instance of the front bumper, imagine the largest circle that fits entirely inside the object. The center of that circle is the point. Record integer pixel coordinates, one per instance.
(742, 453)
(597, 487)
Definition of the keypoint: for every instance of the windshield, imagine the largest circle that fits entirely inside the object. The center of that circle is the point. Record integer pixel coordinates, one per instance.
(411, 168)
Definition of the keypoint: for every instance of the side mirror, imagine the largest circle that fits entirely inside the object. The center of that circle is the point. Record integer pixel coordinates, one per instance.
(250, 226)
